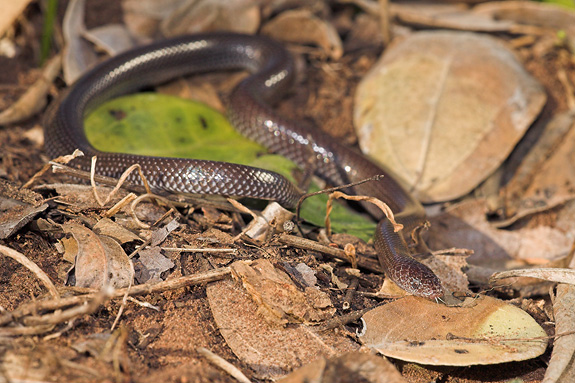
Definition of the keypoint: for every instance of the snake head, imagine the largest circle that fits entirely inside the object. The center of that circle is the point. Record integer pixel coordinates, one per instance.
(417, 279)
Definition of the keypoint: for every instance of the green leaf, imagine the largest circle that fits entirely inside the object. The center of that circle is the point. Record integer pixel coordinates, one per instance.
(160, 125)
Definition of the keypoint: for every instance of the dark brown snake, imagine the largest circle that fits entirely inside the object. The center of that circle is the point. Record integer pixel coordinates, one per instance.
(249, 110)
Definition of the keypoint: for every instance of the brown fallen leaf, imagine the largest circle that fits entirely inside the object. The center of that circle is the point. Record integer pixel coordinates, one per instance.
(301, 26)
(529, 13)
(561, 365)
(151, 264)
(280, 300)
(483, 331)
(444, 109)
(99, 260)
(17, 208)
(111, 38)
(112, 229)
(465, 225)
(270, 350)
(78, 56)
(547, 274)
(9, 12)
(350, 367)
(194, 16)
(448, 16)
(545, 176)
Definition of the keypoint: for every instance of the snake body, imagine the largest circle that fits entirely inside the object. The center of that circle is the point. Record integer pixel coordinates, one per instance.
(249, 109)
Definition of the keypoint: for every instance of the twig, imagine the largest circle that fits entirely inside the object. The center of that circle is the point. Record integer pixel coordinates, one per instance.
(342, 320)
(59, 161)
(24, 261)
(385, 21)
(55, 304)
(223, 364)
(199, 250)
(65, 315)
(340, 254)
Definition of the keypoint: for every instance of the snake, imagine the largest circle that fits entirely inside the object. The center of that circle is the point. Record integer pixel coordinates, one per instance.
(250, 109)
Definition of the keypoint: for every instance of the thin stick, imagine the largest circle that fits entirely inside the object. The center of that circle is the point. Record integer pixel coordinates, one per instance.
(342, 320)
(55, 162)
(385, 21)
(308, 244)
(55, 304)
(223, 364)
(26, 262)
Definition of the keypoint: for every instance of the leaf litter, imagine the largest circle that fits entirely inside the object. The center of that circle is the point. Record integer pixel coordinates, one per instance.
(191, 317)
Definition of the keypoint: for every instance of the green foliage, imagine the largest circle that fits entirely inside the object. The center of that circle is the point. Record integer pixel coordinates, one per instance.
(159, 125)
(48, 29)
(565, 3)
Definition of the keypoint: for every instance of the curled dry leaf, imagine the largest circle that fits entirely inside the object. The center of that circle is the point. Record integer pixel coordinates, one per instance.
(78, 55)
(465, 225)
(448, 16)
(349, 367)
(546, 274)
(152, 263)
(142, 17)
(195, 16)
(444, 109)
(528, 13)
(111, 229)
(99, 260)
(17, 208)
(272, 218)
(301, 26)
(546, 176)
(488, 331)
(111, 38)
(162, 233)
(562, 365)
(271, 350)
(279, 298)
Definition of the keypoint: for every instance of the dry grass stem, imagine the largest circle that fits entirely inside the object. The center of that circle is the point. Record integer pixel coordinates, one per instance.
(381, 205)
(118, 184)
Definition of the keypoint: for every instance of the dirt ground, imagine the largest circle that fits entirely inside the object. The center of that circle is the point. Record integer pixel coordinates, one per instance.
(162, 345)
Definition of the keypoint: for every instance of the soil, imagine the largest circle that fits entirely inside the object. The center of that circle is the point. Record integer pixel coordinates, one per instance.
(161, 345)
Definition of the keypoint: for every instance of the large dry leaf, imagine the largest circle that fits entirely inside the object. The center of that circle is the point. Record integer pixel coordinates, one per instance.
(465, 226)
(270, 350)
(545, 176)
(488, 331)
(444, 109)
